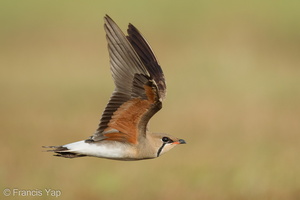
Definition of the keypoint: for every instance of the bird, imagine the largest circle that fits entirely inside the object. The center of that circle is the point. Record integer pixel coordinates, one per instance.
(140, 88)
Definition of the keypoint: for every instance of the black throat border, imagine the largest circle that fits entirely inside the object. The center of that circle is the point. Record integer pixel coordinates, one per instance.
(160, 149)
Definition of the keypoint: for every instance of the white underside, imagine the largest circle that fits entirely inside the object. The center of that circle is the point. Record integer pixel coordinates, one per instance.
(105, 150)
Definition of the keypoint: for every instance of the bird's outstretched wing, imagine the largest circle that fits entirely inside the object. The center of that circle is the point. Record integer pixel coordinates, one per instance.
(140, 86)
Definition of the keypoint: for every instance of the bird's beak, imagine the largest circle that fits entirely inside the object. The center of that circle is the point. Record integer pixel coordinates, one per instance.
(181, 141)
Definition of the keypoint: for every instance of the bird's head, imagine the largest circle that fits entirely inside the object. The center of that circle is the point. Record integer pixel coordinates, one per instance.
(163, 142)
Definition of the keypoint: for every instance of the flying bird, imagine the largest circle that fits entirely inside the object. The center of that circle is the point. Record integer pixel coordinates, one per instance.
(139, 91)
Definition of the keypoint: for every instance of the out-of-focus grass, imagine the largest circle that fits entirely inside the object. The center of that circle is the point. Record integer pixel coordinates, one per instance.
(233, 93)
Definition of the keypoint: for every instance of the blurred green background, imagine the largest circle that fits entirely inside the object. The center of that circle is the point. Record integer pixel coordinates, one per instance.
(233, 74)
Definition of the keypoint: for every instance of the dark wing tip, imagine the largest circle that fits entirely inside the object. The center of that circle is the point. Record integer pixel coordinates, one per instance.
(148, 58)
(107, 17)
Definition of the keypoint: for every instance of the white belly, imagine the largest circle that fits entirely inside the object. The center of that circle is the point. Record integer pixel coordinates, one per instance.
(104, 150)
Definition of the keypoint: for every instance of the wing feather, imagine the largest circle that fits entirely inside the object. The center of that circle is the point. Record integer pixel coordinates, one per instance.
(148, 58)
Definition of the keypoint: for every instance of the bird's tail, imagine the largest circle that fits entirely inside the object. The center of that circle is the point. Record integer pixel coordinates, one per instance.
(62, 151)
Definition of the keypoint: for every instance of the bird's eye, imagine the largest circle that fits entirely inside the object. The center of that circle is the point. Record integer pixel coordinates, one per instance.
(167, 140)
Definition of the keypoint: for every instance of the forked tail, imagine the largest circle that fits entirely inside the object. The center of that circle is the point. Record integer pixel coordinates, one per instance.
(62, 152)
